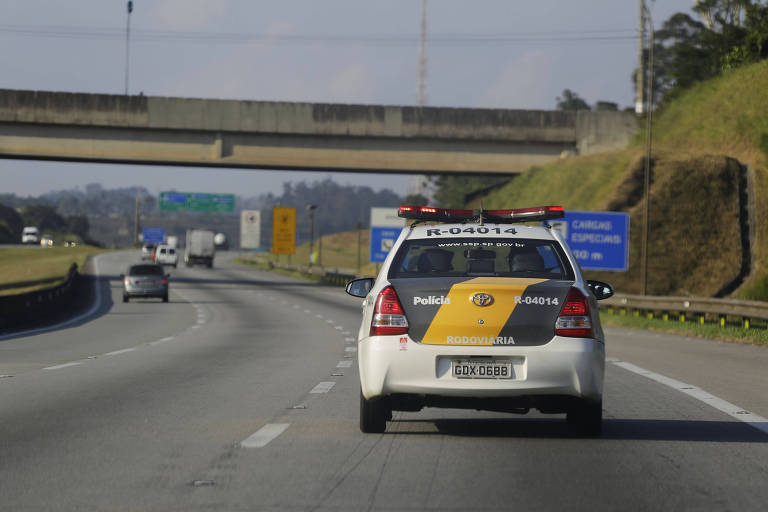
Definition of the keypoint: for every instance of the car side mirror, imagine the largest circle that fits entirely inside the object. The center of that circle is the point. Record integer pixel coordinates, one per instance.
(600, 289)
(360, 287)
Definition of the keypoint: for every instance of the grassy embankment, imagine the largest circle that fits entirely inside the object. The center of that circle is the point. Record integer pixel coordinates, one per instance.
(339, 251)
(694, 234)
(23, 264)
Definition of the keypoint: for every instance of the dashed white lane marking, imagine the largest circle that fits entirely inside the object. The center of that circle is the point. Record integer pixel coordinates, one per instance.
(329, 321)
(318, 316)
(350, 349)
(349, 340)
(296, 306)
(346, 333)
(338, 327)
(307, 311)
(123, 351)
(323, 387)
(345, 364)
(734, 411)
(65, 365)
(264, 435)
(161, 340)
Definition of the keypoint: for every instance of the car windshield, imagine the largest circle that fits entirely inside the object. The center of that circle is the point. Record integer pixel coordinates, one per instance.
(495, 257)
(145, 270)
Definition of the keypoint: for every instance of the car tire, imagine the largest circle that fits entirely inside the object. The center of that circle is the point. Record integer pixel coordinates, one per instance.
(586, 419)
(373, 415)
(165, 298)
(125, 298)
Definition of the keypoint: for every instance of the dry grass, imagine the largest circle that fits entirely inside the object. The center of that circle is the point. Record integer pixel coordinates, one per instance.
(34, 263)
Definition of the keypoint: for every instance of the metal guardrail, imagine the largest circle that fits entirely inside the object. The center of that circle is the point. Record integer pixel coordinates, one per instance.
(338, 277)
(701, 309)
(27, 308)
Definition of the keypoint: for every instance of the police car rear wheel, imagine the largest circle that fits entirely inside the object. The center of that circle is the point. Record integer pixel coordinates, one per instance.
(586, 419)
(373, 415)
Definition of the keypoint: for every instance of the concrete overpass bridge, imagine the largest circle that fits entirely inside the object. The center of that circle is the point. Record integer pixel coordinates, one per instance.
(301, 136)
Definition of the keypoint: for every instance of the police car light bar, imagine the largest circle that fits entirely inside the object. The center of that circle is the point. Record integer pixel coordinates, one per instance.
(538, 213)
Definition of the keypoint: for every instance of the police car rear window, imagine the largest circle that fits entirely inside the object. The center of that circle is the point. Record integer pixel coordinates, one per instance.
(459, 257)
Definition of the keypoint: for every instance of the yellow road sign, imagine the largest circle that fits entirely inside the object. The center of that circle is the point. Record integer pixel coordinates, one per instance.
(283, 230)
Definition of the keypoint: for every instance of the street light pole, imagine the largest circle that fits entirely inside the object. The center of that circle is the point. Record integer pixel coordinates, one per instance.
(647, 167)
(311, 209)
(128, 44)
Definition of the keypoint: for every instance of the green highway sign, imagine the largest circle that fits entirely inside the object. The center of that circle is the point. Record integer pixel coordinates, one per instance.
(197, 202)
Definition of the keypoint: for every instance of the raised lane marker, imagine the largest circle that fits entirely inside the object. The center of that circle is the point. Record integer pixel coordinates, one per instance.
(323, 387)
(65, 365)
(264, 435)
(734, 411)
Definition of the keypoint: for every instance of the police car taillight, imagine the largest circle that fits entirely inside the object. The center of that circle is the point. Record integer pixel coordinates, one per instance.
(388, 314)
(574, 320)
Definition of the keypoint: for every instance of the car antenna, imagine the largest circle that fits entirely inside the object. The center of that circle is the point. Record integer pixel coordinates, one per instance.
(481, 212)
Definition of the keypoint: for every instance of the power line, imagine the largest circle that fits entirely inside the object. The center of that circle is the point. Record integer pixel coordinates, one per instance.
(105, 34)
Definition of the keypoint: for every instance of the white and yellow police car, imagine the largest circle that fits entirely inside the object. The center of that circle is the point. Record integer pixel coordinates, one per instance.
(471, 310)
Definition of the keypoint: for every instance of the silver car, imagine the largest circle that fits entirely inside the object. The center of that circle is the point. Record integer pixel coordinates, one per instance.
(145, 280)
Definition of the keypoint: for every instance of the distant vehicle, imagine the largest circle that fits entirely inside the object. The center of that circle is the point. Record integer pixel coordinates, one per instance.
(30, 235)
(200, 248)
(145, 280)
(166, 255)
(71, 243)
(147, 250)
(172, 241)
(46, 241)
(221, 241)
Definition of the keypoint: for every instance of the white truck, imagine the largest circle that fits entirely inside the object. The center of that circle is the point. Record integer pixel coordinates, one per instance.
(172, 241)
(200, 248)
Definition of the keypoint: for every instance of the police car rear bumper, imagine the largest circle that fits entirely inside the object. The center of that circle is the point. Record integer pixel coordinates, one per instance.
(569, 367)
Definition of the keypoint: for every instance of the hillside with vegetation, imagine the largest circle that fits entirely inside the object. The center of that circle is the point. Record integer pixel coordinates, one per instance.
(701, 140)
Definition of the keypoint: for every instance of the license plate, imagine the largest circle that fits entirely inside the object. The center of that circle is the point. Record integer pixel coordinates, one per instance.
(481, 369)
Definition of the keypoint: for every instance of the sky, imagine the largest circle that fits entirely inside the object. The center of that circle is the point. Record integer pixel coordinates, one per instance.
(481, 54)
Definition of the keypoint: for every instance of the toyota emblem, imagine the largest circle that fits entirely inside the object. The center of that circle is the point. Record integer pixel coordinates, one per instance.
(482, 299)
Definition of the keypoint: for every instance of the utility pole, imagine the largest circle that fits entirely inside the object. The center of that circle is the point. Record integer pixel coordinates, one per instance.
(136, 223)
(311, 209)
(647, 167)
(128, 43)
(421, 83)
(639, 96)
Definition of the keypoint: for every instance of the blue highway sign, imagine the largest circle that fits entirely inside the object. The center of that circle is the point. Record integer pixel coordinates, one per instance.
(385, 228)
(599, 240)
(153, 235)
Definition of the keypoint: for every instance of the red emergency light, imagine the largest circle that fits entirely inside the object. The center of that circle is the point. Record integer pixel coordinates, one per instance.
(534, 214)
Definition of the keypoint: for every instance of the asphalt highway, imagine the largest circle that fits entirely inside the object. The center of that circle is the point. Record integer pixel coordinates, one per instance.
(242, 394)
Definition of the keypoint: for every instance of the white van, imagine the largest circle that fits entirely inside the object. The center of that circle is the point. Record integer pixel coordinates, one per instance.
(166, 255)
(30, 235)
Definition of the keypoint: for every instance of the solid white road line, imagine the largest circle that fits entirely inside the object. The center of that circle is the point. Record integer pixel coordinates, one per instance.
(161, 340)
(123, 351)
(345, 364)
(323, 387)
(734, 411)
(65, 365)
(264, 435)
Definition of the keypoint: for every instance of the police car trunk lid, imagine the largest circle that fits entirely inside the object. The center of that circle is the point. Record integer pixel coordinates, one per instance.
(481, 311)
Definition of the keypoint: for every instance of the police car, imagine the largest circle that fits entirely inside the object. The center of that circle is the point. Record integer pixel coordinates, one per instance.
(472, 310)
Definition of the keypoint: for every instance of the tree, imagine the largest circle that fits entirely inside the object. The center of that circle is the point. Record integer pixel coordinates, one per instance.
(416, 200)
(11, 225)
(78, 225)
(571, 101)
(44, 217)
